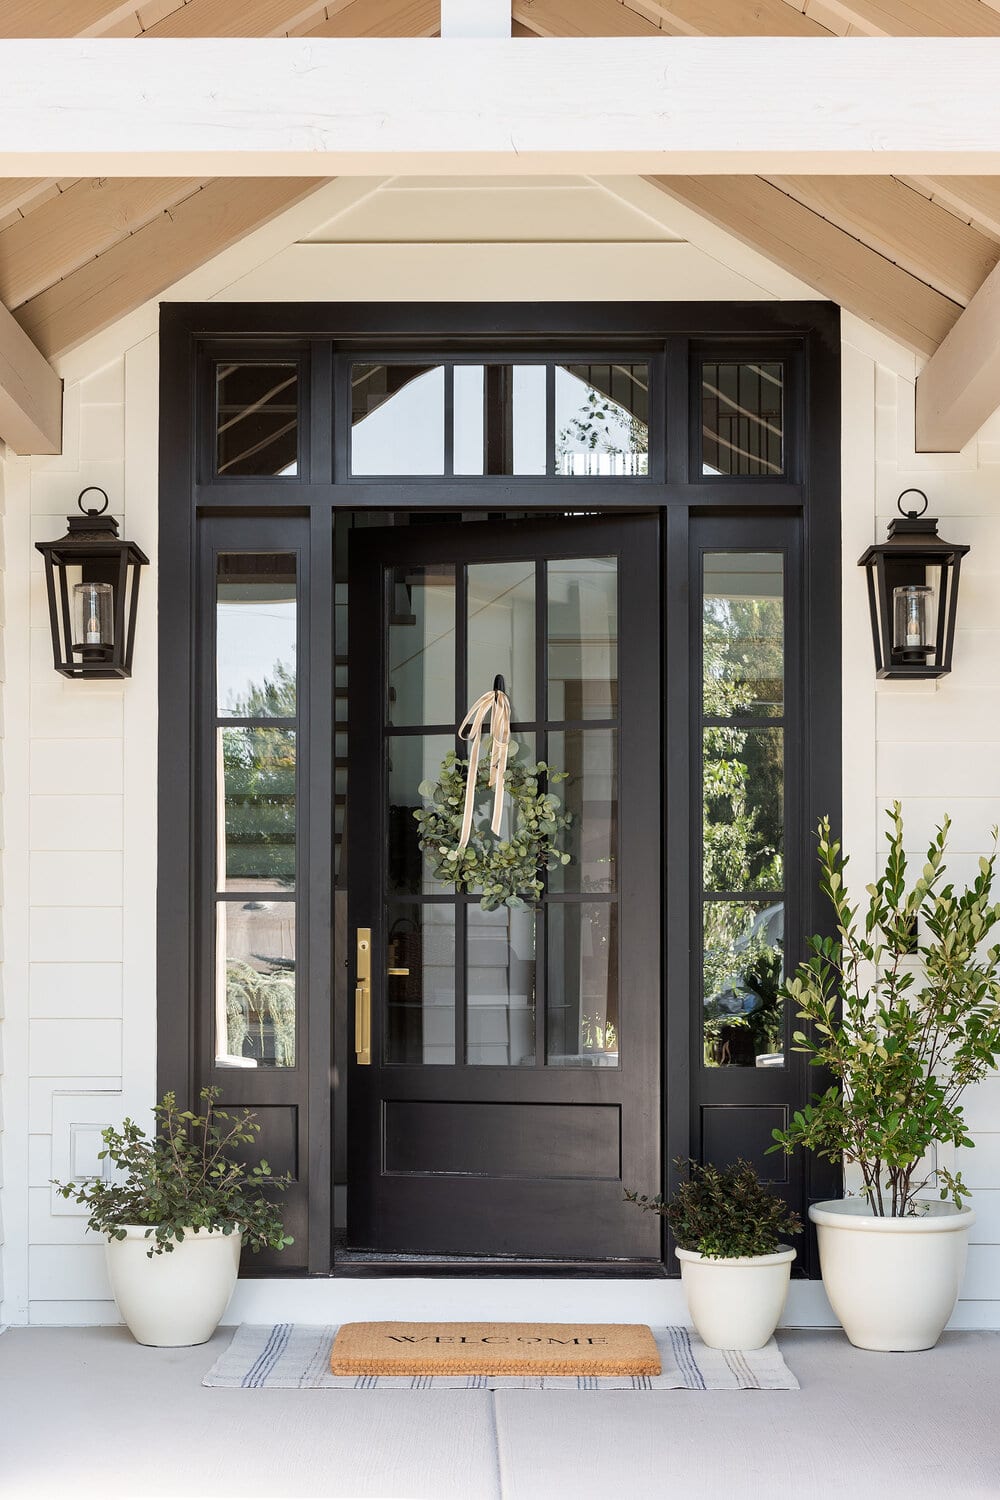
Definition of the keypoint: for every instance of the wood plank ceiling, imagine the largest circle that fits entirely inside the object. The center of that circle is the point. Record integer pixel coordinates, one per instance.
(906, 254)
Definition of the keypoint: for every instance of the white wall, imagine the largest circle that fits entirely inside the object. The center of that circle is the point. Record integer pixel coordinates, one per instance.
(80, 758)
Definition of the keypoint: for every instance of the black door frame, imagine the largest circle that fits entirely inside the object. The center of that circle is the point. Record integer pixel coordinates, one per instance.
(808, 334)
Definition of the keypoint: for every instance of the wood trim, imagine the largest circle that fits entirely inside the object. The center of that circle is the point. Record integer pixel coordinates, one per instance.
(155, 257)
(823, 255)
(30, 393)
(922, 237)
(565, 18)
(974, 199)
(66, 232)
(959, 387)
(223, 18)
(735, 18)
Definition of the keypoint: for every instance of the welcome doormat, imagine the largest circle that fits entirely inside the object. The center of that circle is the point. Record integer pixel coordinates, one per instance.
(296, 1356)
(494, 1349)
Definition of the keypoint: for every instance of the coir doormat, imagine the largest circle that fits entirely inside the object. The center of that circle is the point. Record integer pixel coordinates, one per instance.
(494, 1349)
(296, 1356)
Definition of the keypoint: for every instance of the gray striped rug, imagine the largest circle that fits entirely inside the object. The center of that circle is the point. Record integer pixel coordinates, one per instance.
(296, 1356)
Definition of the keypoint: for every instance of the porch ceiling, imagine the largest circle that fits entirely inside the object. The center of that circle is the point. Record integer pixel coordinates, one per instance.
(907, 254)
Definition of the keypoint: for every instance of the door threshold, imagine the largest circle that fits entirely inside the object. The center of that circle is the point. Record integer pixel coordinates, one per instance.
(394, 1263)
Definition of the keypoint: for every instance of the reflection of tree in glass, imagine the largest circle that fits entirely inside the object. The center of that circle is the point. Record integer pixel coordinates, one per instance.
(742, 827)
(259, 766)
(602, 426)
(259, 769)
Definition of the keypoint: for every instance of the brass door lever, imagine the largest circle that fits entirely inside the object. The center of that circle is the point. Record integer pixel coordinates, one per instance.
(363, 998)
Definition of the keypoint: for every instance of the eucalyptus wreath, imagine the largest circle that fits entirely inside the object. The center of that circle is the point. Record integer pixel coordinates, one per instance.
(507, 871)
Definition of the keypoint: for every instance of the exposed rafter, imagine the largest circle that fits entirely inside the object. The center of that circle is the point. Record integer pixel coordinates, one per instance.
(820, 253)
(960, 384)
(910, 18)
(30, 393)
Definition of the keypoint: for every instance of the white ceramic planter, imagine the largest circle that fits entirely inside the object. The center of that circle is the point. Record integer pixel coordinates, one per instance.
(893, 1283)
(178, 1297)
(735, 1303)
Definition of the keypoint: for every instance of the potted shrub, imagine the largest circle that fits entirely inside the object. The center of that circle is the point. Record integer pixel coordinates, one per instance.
(734, 1268)
(903, 1010)
(177, 1215)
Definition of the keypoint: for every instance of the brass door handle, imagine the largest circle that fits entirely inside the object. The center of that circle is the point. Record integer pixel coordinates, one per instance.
(363, 998)
(397, 971)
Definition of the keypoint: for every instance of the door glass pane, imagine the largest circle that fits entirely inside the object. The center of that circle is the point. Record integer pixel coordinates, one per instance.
(255, 984)
(602, 419)
(420, 983)
(255, 635)
(256, 822)
(412, 759)
(500, 1012)
(742, 974)
(590, 795)
(397, 419)
(743, 773)
(743, 634)
(469, 420)
(582, 971)
(583, 638)
(742, 418)
(421, 604)
(502, 632)
(256, 419)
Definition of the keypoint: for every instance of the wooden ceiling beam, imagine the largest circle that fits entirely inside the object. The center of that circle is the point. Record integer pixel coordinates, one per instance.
(821, 254)
(248, 18)
(922, 237)
(566, 18)
(374, 18)
(734, 18)
(959, 387)
(30, 393)
(974, 199)
(155, 257)
(81, 223)
(914, 17)
(43, 18)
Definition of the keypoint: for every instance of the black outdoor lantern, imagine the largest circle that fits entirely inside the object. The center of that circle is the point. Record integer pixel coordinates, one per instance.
(913, 595)
(92, 581)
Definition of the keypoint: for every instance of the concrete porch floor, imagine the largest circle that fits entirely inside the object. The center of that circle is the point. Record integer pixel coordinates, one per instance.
(87, 1412)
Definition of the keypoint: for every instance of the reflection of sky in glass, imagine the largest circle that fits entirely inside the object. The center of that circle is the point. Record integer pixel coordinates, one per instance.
(405, 434)
(253, 634)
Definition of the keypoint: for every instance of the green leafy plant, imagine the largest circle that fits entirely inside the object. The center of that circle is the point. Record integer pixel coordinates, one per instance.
(506, 871)
(903, 1010)
(722, 1213)
(187, 1175)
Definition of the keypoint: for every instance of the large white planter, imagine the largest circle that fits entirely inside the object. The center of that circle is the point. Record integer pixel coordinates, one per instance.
(735, 1303)
(178, 1297)
(893, 1283)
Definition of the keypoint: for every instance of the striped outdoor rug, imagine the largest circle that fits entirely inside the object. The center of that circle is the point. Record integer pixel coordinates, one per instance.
(296, 1356)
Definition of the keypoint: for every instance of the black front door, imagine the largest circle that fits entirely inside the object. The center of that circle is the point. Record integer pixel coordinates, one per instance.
(512, 1081)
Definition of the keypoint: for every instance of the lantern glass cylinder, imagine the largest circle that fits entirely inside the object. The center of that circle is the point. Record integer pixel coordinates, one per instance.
(93, 617)
(911, 618)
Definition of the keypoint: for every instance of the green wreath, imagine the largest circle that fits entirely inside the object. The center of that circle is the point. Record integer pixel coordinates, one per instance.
(506, 871)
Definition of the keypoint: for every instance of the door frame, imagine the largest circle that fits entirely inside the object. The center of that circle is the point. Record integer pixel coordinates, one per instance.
(807, 333)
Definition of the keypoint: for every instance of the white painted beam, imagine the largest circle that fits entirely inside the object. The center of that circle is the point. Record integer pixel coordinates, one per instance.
(670, 105)
(30, 393)
(959, 387)
(469, 18)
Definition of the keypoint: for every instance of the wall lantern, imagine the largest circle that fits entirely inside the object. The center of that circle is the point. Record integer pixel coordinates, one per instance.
(913, 594)
(92, 580)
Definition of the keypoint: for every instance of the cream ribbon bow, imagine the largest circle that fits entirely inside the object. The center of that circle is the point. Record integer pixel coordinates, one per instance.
(496, 707)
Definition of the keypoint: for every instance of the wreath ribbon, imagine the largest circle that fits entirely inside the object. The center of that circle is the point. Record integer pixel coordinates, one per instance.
(494, 706)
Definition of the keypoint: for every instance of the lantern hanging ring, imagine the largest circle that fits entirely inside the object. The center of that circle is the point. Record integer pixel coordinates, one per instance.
(912, 515)
(93, 489)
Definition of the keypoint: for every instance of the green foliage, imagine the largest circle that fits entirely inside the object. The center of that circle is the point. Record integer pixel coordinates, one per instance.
(603, 426)
(254, 1000)
(259, 769)
(903, 1009)
(506, 871)
(722, 1213)
(187, 1175)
